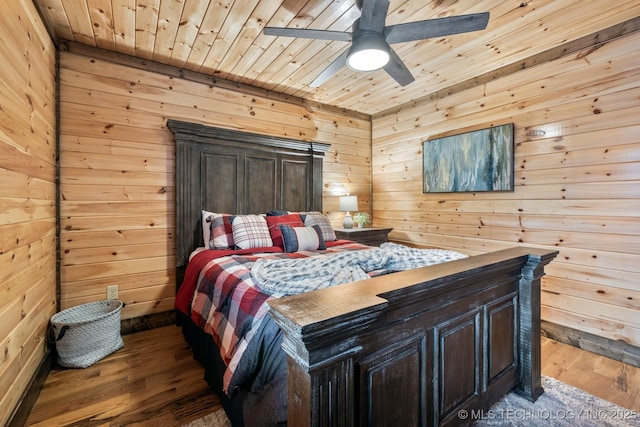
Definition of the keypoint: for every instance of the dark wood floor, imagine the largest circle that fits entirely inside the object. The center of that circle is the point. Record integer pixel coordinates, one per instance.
(154, 381)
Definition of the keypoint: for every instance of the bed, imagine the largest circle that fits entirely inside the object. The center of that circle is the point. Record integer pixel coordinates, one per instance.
(423, 346)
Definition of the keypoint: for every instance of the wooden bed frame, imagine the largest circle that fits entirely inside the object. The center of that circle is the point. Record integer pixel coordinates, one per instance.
(237, 172)
(418, 347)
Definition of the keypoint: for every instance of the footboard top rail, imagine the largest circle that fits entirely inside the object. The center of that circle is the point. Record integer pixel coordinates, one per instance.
(336, 305)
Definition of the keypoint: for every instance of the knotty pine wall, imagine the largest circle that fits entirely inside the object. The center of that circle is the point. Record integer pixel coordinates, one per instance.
(577, 187)
(117, 170)
(27, 197)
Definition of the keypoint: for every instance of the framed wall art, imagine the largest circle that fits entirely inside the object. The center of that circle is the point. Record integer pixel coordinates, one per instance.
(480, 160)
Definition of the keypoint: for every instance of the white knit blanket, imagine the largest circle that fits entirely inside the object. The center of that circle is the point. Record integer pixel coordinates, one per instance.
(293, 276)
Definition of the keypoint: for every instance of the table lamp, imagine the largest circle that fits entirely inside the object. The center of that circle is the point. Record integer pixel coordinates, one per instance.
(348, 204)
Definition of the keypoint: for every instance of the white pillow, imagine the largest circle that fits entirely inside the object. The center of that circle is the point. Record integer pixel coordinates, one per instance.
(206, 227)
(251, 231)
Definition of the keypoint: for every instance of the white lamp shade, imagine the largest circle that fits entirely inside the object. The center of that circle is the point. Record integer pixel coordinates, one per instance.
(348, 203)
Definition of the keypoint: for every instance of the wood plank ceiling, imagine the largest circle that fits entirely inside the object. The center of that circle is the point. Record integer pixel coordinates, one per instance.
(223, 38)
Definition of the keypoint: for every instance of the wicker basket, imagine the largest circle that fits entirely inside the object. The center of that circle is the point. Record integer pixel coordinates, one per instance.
(87, 333)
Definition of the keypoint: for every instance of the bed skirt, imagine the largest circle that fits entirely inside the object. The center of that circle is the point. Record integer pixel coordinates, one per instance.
(265, 405)
(205, 351)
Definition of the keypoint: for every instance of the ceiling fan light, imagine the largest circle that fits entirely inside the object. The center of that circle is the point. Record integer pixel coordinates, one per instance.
(367, 60)
(368, 52)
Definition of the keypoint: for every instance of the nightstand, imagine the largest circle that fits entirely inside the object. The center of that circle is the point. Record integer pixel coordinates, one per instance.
(366, 236)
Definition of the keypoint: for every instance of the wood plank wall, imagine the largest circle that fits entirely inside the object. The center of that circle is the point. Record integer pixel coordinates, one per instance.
(577, 187)
(27, 197)
(117, 169)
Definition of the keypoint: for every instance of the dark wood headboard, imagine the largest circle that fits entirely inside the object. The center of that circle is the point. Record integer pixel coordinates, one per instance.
(222, 170)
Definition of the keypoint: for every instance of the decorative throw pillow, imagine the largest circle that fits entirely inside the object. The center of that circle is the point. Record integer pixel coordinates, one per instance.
(273, 222)
(250, 231)
(221, 232)
(323, 222)
(277, 213)
(206, 226)
(298, 239)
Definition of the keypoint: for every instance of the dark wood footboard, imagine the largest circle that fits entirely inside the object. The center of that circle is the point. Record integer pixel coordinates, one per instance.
(415, 348)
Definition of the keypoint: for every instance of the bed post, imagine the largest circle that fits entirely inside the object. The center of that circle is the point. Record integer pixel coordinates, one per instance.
(530, 370)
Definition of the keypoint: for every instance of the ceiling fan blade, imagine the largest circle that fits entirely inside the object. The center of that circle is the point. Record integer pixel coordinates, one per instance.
(308, 33)
(439, 27)
(331, 70)
(396, 69)
(373, 14)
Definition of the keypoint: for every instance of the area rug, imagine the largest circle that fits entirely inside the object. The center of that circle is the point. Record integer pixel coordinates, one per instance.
(215, 419)
(560, 405)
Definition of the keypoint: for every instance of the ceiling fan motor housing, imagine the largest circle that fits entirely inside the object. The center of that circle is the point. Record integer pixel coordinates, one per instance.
(369, 50)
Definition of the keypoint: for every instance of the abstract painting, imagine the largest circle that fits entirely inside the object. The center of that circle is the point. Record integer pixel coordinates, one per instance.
(481, 160)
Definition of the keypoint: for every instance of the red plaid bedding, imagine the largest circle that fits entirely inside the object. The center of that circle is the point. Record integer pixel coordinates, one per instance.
(227, 304)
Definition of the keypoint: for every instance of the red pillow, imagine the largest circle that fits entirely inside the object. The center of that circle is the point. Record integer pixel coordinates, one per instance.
(273, 222)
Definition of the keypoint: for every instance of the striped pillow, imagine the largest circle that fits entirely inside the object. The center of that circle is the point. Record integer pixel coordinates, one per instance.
(274, 222)
(250, 231)
(298, 239)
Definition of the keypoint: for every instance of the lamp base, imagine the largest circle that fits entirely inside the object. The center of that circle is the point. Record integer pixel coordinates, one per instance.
(348, 221)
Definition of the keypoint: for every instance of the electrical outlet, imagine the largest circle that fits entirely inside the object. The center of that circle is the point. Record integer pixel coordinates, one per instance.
(112, 292)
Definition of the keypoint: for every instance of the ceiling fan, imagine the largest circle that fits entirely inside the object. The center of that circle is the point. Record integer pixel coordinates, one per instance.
(370, 39)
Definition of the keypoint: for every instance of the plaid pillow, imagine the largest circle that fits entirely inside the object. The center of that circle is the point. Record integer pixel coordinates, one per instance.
(323, 222)
(250, 231)
(221, 232)
(302, 238)
(273, 222)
